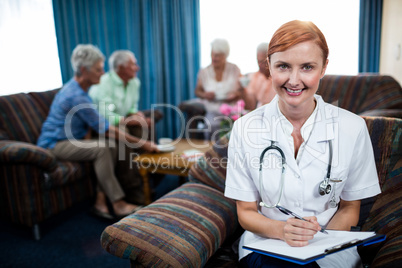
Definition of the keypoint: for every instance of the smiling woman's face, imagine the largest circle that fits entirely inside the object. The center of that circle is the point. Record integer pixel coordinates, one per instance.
(296, 74)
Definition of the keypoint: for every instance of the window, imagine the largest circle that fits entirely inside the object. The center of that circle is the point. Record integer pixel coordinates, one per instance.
(245, 24)
(28, 47)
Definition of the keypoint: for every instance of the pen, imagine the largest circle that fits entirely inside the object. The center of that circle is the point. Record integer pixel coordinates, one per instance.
(288, 212)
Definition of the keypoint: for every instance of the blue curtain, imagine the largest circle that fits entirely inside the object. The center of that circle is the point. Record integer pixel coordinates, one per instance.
(163, 34)
(370, 35)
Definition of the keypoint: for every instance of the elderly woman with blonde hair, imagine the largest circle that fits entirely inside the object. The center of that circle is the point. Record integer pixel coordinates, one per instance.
(217, 83)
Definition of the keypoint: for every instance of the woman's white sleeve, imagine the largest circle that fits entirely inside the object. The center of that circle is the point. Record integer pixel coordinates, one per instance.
(239, 183)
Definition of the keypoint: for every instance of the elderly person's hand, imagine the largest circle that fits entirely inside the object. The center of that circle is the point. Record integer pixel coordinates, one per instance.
(210, 95)
(150, 147)
(233, 96)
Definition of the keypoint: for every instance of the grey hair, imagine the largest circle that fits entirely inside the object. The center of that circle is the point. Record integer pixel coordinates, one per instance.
(220, 46)
(262, 48)
(85, 56)
(119, 57)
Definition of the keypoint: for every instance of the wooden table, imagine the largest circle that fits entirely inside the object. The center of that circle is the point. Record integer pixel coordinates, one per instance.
(171, 163)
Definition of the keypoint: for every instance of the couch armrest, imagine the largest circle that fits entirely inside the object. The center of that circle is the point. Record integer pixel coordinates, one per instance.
(182, 229)
(17, 152)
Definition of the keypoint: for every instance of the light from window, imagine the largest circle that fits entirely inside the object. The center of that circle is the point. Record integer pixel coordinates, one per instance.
(246, 24)
(28, 47)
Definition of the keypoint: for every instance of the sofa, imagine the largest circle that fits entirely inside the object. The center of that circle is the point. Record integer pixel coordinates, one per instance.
(189, 225)
(366, 94)
(34, 185)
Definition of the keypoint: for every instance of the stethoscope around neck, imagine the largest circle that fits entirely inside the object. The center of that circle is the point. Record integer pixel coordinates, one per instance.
(323, 189)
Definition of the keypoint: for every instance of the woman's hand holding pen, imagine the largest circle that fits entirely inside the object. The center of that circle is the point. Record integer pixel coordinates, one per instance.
(297, 233)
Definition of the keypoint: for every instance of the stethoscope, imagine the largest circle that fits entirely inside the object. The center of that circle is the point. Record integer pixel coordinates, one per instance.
(323, 189)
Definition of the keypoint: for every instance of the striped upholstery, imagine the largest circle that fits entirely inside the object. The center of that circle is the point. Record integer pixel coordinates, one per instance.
(361, 93)
(15, 110)
(386, 214)
(211, 168)
(26, 199)
(33, 184)
(184, 228)
(13, 152)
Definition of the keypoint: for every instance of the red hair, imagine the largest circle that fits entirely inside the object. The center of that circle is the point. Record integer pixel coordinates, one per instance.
(295, 32)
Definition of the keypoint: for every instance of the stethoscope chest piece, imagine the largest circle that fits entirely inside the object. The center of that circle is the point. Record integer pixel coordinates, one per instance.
(325, 188)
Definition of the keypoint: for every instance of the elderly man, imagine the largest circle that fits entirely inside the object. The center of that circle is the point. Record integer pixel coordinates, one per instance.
(118, 92)
(117, 96)
(259, 90)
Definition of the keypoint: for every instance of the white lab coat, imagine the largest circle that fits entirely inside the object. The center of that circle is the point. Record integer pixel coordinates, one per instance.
(352, 162)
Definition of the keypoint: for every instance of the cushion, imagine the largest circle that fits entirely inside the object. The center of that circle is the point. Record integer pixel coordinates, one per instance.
(22, 115)
(19, 118)
(182, 229)
(12, 152)
(386, 216)
(211, 168)
(56, 173)
(43, 100)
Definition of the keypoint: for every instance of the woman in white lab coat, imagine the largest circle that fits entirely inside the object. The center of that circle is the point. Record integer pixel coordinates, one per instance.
(304, 128)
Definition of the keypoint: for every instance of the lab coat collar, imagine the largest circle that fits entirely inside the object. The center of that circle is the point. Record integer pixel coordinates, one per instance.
(317, 143)
(324, 131)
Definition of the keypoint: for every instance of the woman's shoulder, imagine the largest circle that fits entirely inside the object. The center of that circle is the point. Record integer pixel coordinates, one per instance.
(206, 72)
(232, 66)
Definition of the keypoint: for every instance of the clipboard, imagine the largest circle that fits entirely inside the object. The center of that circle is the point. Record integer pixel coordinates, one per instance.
(322, 245)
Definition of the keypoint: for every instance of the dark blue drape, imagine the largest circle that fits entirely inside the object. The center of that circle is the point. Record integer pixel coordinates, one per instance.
(370, 35)
(163, 34)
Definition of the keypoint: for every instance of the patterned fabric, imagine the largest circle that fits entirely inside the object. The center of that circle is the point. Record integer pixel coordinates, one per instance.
(386, 214)
(361, 93)
(25, 198)
(14, 112)
(43, 100)
(182, 229)
(12, 152)
(211, 168)
(33, 184)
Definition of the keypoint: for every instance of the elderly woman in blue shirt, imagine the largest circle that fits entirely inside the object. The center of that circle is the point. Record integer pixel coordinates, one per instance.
(72, 115)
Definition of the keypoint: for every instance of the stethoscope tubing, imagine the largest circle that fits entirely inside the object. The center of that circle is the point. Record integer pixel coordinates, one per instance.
(274, 147)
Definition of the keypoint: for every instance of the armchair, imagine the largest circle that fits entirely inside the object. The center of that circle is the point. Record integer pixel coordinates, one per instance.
(34, 185)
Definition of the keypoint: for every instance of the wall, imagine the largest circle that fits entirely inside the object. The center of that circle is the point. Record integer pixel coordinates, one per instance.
(391, 39)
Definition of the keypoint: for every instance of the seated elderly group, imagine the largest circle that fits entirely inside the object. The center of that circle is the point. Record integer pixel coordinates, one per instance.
(95, 117)
(68, 132)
